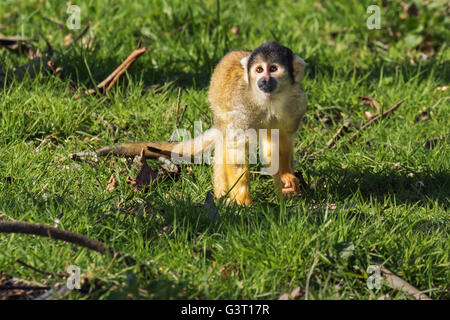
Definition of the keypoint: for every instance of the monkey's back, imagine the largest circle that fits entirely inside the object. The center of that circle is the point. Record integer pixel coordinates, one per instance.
(227, 79)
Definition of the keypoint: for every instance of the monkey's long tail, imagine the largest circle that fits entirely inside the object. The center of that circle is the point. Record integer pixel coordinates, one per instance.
(185, 149)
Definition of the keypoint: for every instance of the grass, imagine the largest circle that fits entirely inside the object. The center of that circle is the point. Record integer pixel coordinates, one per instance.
(383, 199)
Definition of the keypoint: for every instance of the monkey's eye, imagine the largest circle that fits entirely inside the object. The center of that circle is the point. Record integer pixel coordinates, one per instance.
(259, 69)
(273, 68)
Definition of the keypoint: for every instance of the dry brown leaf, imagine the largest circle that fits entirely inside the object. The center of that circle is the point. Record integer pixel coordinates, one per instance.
(112, 183)
(68, 39)
(368, 115)
(144, 176)
(229, 268)
(318, 5)
(423, 115)
(284, 296)
(409, 10)
(87, 41)
(297, 293)
(372, 102)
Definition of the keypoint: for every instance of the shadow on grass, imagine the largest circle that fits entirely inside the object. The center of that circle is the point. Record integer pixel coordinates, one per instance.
(439, 69)
(75, 65)
(409, 188)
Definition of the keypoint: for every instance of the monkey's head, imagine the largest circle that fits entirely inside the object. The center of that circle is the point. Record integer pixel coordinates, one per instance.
(271, 69)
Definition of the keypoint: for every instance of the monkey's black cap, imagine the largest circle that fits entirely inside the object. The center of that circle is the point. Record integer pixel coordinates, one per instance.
(273, 52)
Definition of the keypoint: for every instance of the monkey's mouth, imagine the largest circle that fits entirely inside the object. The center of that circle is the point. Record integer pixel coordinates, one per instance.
(268, 93)
(267, 86)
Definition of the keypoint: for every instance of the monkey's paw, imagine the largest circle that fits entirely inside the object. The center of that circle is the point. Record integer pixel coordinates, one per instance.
(243, 200)
(290, 184)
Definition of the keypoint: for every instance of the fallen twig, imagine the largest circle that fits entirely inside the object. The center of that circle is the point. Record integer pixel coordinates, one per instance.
(114, 76)
(337, 135)
(308, 279)
(107, 84)
(40, 271)
(51, 232)
(17, 44)
(13, 287)
(55, 233)
(400, 284)
(78, 37)
(202, 117)
(376, 118)
(59, 291)
(331, 144)
(182, 115)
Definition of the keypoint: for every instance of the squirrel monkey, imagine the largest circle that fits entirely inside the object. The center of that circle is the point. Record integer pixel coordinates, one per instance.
(256, 90)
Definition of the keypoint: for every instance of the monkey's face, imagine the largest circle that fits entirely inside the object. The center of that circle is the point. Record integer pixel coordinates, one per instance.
(272, 70)
(268, 77)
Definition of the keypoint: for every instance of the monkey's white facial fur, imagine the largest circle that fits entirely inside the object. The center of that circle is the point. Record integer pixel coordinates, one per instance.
(269, 79)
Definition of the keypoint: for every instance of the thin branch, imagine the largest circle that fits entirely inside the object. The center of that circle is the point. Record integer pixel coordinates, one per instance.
(376, 118)
(60, 291)
(331, 144)
(6, 287)
(58, 234)
(182, 115)
(40, 271)
(78, 37)
(52, 232)
(114, 76)
(337, 135)
(400, 284)
(308, 279)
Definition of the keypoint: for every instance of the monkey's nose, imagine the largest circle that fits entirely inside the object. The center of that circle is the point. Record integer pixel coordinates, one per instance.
(267, 85)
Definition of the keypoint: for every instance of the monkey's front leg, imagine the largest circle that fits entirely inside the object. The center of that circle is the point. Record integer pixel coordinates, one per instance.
(231, 175)
(289, 182)
(278, 152)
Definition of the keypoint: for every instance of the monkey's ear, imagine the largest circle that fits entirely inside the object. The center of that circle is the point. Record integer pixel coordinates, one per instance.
(244, 63)
(299, 68)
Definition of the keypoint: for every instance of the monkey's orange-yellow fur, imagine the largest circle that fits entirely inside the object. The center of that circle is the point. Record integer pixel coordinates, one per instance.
(237, 103)
(235, 106)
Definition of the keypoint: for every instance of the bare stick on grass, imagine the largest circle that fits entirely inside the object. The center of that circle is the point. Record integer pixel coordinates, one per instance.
(58, 234)
(308, 279)
(331, 144)
(400, 284)
(78, 37)
(51, 232)
(41, 271)
(107, 84)
(120, 70)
